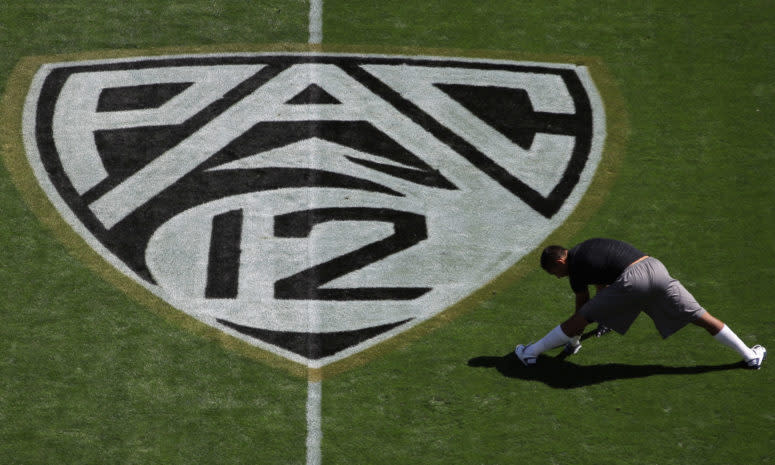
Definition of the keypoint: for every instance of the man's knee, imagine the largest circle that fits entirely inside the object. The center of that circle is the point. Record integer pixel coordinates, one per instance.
(711, 324)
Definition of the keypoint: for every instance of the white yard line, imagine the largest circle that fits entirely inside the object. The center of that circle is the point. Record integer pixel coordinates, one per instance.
(314, 389)
(314, 423)
(315, 21)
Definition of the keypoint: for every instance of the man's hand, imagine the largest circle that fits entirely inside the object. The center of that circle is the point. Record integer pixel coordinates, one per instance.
(573, 346)
(601, 330)
(574, 326)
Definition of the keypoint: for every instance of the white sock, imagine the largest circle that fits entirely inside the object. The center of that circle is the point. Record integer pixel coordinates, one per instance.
(728, 337)
(555, 338)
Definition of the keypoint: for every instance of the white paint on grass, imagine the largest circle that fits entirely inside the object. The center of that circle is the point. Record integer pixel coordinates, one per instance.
(314, 423)
(474, 232)
(315, 21)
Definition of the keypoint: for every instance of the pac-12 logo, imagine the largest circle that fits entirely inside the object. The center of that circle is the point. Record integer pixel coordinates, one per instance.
(313, 205)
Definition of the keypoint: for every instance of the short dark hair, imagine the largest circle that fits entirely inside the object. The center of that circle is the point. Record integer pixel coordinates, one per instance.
(551, 254)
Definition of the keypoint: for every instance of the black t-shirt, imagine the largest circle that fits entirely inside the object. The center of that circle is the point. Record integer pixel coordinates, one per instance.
(599, 261)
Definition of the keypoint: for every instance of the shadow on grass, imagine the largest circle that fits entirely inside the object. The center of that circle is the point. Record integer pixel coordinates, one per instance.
(559, 373)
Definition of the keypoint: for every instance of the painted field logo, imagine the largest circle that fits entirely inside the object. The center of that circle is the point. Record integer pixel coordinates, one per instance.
(313, 205)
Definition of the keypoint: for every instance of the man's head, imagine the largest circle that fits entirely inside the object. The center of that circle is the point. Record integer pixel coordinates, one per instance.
(554, 260)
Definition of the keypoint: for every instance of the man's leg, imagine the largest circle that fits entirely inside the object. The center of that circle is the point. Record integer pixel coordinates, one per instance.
(615, 306)
(558, 336)
(722, 333)
(711, 324)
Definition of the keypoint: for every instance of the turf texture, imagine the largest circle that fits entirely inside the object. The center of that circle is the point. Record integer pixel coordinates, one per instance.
(88, 375)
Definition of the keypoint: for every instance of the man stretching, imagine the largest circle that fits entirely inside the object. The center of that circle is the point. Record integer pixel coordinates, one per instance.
(628, 282)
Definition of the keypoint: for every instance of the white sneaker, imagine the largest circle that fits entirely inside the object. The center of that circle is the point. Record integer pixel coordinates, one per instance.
(527, 360)
(761, 354)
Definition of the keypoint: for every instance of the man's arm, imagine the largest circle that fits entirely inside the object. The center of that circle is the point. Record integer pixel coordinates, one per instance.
(582, 298)
(574, 344)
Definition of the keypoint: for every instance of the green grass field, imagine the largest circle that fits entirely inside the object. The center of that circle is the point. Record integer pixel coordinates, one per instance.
(90, 376)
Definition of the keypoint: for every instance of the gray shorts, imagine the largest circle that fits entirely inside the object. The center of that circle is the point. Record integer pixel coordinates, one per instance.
(645, 286)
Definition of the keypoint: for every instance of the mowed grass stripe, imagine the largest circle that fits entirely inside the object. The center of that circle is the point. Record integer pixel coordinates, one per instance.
(687, 192)
(88, 375)
(110, 381)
